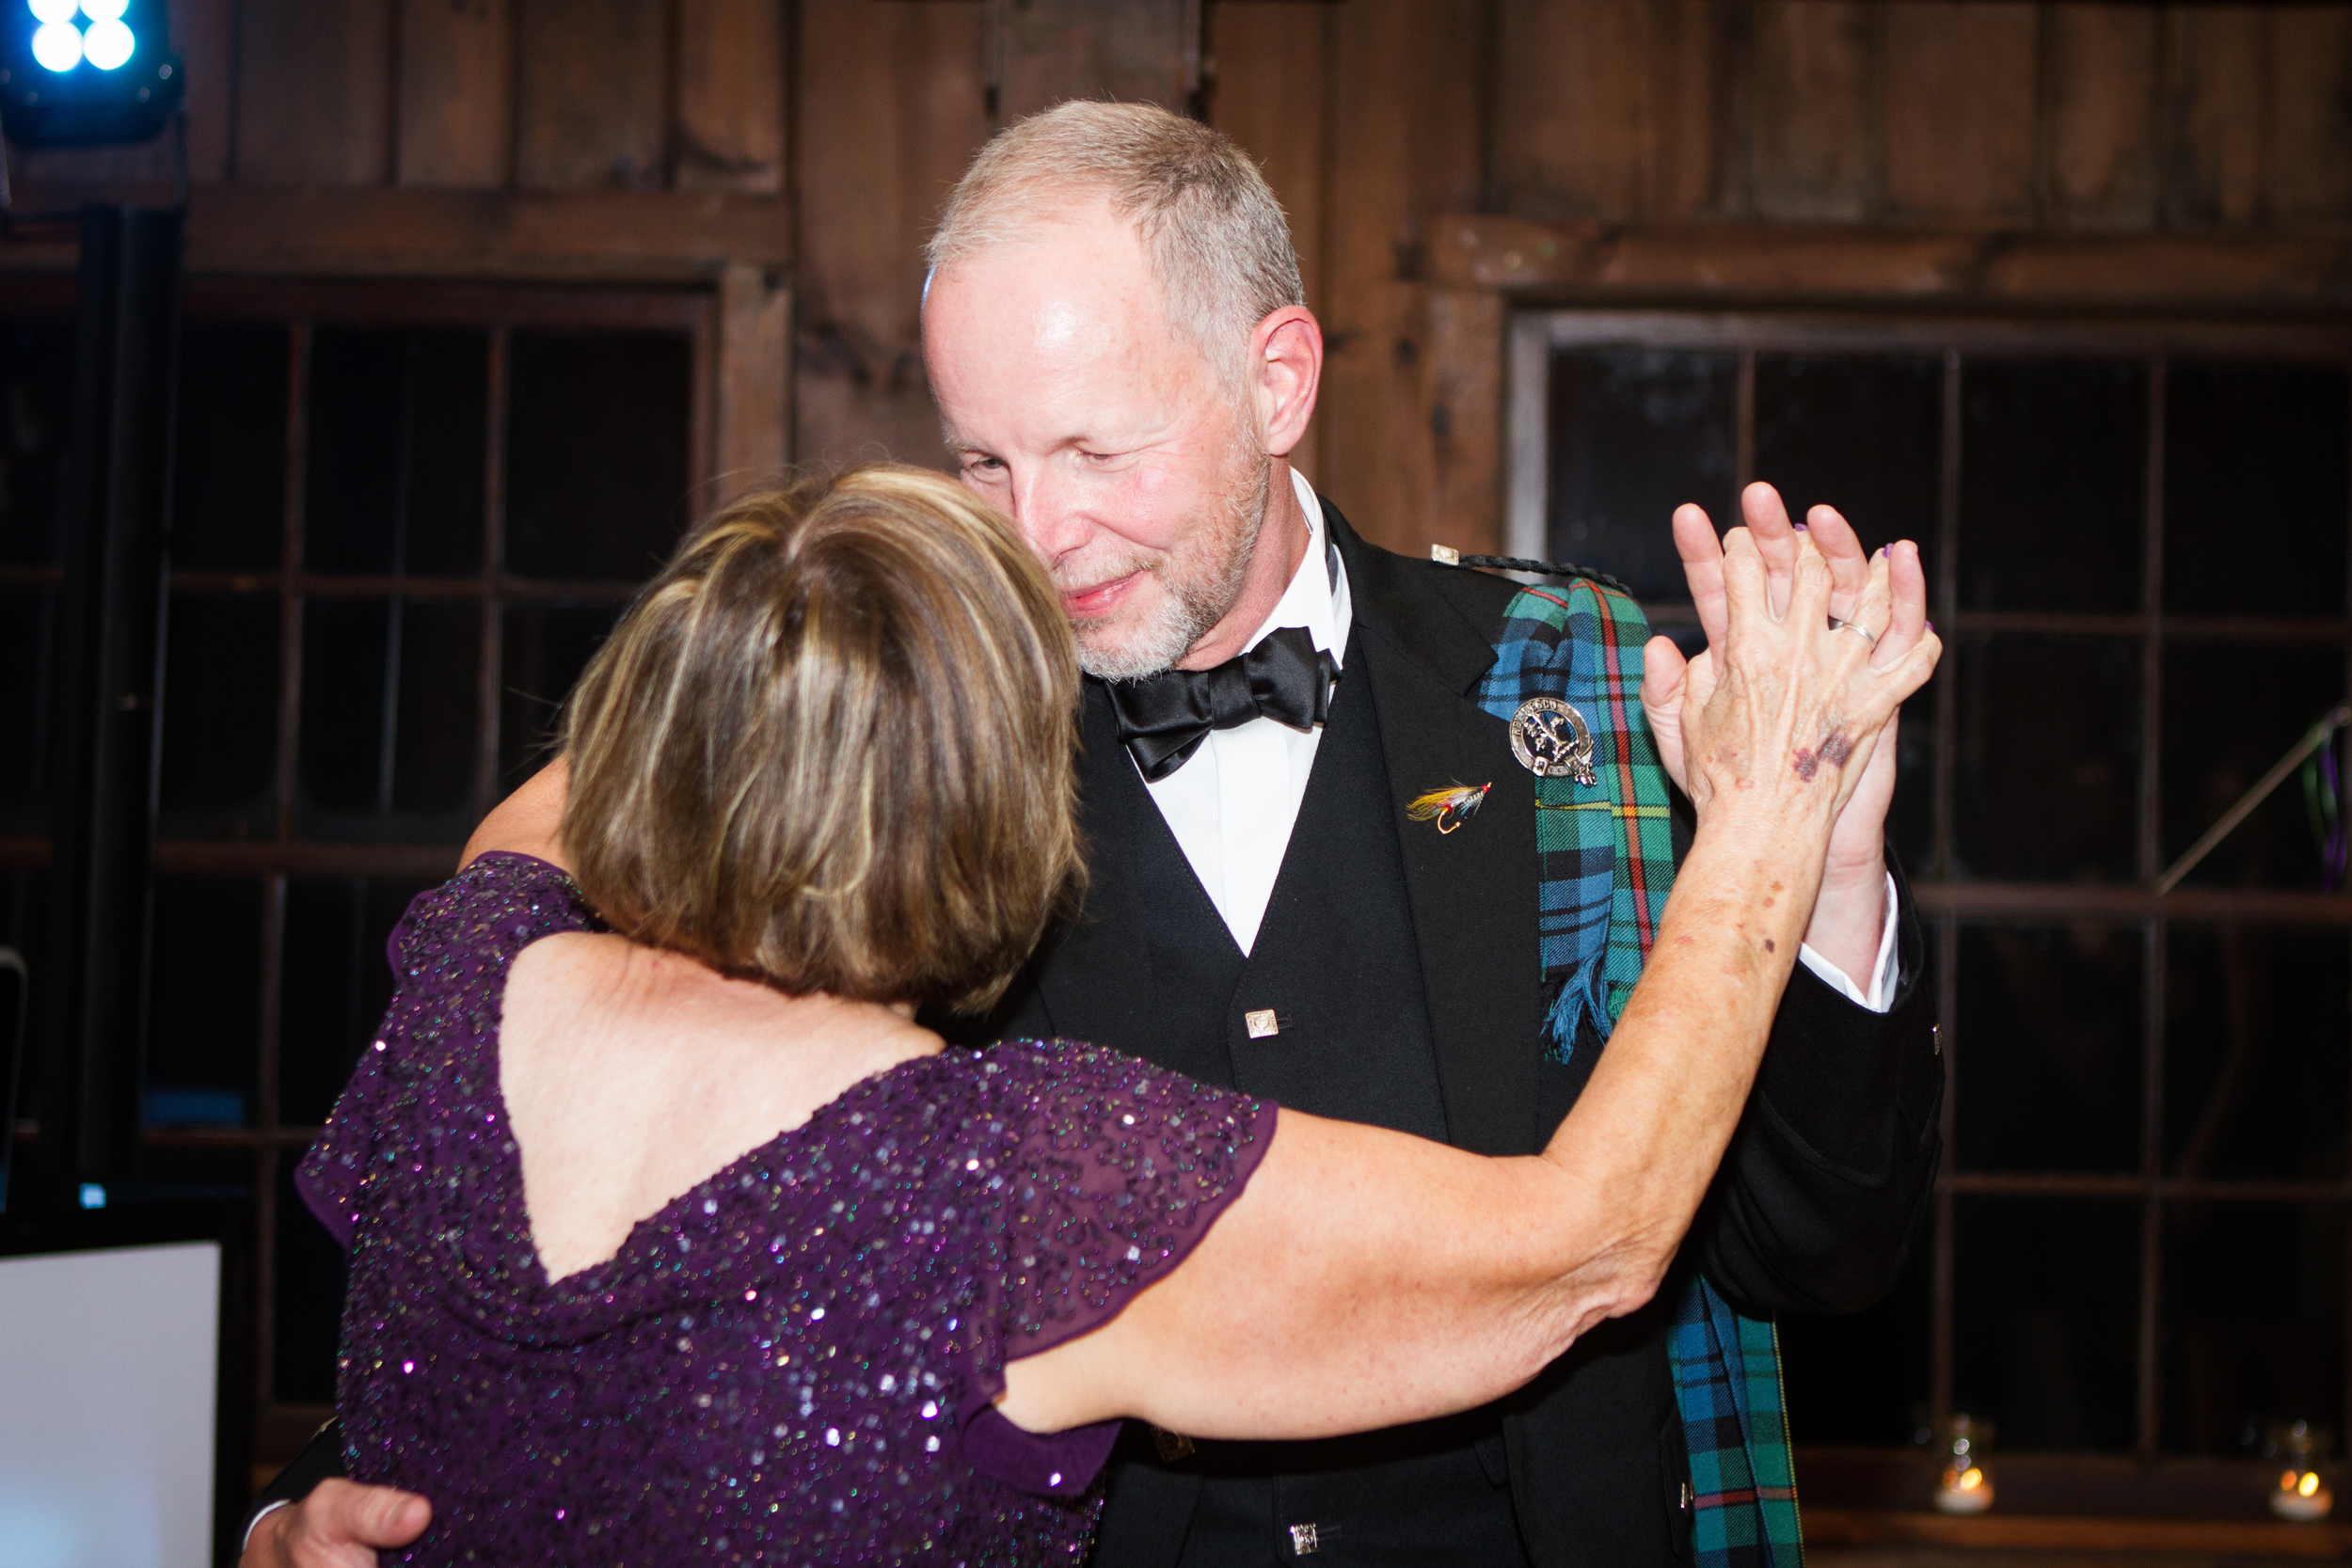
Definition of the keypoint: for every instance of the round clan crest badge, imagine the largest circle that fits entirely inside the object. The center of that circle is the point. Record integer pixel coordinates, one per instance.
(1552, 742)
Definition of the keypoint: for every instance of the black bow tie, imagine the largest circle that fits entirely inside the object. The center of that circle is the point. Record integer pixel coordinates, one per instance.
(1163, 718)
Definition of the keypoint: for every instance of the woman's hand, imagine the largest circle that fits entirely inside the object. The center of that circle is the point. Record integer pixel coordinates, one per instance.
(1782, 716)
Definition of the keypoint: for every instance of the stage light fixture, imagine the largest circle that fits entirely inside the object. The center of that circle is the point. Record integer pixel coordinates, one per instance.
(86, 74)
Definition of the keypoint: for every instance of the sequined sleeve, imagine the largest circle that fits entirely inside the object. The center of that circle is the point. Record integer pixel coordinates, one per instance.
(448, 956)
(1113, 1174)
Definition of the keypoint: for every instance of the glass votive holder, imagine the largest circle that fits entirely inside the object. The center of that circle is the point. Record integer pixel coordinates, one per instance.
(1965, 1485)
(2299, 1450)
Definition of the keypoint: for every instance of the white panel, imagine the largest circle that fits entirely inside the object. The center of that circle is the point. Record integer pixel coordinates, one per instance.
(108, 1366)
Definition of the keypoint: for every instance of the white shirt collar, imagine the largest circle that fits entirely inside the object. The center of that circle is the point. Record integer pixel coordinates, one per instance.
(1313, 599)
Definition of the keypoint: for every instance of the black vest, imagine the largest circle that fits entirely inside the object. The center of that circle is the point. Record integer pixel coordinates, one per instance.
(1337, 965)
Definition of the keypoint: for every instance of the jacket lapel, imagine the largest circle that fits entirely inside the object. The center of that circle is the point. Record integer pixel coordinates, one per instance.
(1472, 890)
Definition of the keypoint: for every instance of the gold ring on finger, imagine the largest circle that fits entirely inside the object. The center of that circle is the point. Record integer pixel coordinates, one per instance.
(1856, 627)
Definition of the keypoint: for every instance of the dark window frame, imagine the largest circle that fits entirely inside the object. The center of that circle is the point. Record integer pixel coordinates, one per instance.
(1946, 903)
(302, 305)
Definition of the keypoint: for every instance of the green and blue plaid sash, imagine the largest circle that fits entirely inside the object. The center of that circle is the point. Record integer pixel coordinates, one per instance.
(1605, 861)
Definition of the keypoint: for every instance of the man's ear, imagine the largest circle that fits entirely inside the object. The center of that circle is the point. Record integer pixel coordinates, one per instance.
(1285, 370)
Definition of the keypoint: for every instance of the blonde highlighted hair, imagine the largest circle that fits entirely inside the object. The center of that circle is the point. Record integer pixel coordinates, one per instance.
(830, 746)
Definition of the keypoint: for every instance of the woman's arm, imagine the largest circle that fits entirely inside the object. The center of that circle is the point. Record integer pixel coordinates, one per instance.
(1366, 1277)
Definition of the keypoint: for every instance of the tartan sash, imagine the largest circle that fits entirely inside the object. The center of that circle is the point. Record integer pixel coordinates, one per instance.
(1605, 861)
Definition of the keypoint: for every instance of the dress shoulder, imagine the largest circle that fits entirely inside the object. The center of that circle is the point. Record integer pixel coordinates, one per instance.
(1110, 1173)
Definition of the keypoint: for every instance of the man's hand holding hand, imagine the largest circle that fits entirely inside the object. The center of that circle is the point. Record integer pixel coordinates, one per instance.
(337, 1526)
(1851, 911)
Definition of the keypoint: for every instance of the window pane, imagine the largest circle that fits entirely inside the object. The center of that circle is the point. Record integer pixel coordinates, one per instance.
(1635, 433)
(336, 985)
(598, 449)
(416, 662)
(308, 1308)
(2046, 782)
(2254, 478)
(2046, 1308)
(2053, 470)
(204, 1012)
(2047, 1063)
(2255, 1051)
(1863, 1378)
(36, 421)
(24, 641)
(228, 495)
(1856, 433)
(2231, 712)
(2253, 1316)
(398, 428)
(220, 716)
(546, 647)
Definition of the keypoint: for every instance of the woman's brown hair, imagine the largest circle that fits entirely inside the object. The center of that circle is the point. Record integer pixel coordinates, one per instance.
(830, 746)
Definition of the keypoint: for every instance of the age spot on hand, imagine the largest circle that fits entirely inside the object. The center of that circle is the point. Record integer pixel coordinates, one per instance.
(1836, 748)
(1806, 765)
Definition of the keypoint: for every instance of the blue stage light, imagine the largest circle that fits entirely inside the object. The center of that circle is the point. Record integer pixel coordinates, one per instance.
(108, 44)
(76, 75)
(58, 45)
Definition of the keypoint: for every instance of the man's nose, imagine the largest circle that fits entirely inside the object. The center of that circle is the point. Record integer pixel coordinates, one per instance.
(1048, 511)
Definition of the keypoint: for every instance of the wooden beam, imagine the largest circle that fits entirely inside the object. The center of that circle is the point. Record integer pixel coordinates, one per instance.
(730, 91)
(1771, 264)
(611, 235)
(755, 392)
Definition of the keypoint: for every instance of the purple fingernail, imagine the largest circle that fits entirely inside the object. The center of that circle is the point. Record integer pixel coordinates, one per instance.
(1882, 549)
(1931, 625)
(1800, 527)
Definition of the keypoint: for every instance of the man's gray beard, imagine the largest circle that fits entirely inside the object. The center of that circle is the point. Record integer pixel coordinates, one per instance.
(1200, 590)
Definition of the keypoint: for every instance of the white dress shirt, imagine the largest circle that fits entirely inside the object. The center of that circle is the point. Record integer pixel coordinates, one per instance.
(1232, 805)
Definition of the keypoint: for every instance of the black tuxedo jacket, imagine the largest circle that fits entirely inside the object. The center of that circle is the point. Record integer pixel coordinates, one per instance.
(1818, 1195)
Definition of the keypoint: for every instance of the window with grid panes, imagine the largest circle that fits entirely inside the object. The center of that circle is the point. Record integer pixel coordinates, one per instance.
(402, 519)
(2136, 539)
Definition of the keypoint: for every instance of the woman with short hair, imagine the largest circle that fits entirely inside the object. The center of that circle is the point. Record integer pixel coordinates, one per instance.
(672, 1233)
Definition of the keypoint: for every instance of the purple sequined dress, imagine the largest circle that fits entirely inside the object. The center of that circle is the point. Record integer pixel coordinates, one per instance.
(791, 1363)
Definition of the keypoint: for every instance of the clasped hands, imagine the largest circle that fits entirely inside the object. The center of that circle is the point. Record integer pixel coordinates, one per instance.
(1885, 596)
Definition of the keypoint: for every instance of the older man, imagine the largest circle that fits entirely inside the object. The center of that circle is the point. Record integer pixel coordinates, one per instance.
(1124, 362)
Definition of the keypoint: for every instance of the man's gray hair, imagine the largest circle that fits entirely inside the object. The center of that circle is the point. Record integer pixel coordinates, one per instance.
(1216, 238)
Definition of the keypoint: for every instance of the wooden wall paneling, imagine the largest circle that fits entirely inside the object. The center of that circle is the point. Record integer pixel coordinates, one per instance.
(1572, 125)
(2099, 124)
(1696, 99)
(730, 95)
(1813, 96)
(1960, 109)
(1466, 397)
(2308, 165)
(593, 98)
(314, 93)
(752, 414)
(1135, 51)
(1612, 109)
(1268, 92)
(887, 111)
(456, 125)
(205, 33)
(2215, 100)
(1405, 149)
